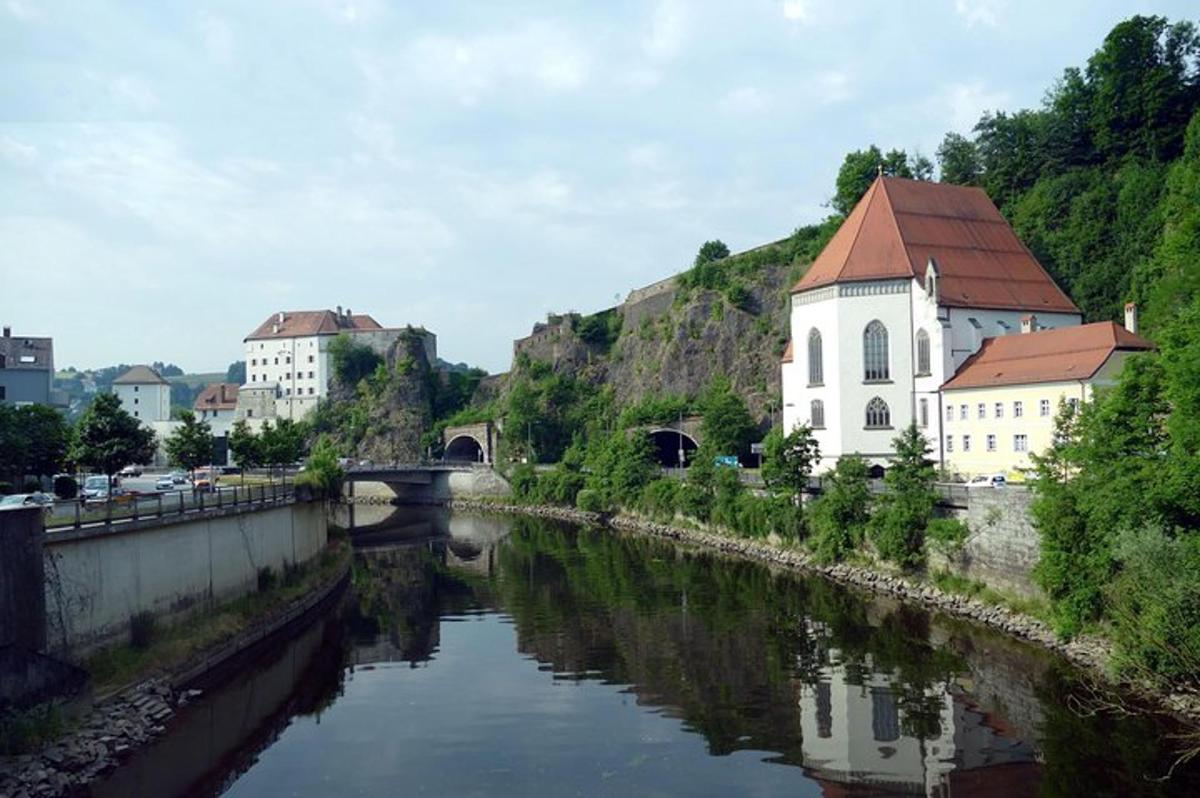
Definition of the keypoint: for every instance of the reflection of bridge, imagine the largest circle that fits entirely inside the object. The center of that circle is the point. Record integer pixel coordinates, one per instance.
(425, 481)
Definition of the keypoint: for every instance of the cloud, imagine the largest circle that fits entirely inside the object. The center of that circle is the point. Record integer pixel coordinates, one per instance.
(831, 86)
(979, 12)
(668, 29)
(18, 152)
(745, 100)
(961, 104)
(543, 55)
(796, 10)
(22, 10)
(217, 37)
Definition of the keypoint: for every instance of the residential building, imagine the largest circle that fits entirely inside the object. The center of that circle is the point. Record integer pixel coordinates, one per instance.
(288, 367)
(144, 394)
(217, 404)
(910, 286)
(1013, 386)
(26, 369)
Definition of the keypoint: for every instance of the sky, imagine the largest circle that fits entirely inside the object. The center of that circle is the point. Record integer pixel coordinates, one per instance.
(173, 173)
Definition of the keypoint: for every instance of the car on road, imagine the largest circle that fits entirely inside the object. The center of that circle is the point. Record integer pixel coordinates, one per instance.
(178, 477)
(728, 461)
(95, 488)
(131, 471)
(43, 500)
(988, 481)
(164, 483)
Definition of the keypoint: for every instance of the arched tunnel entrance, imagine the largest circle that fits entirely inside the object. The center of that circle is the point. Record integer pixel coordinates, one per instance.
(464, 449)
(667, 444)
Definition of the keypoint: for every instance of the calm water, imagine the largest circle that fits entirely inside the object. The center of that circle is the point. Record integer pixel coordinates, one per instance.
(485, 656)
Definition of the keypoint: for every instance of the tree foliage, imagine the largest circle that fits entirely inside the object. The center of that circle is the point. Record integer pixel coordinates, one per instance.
(34, 440)
(245, 446)
(788, 460)
(352, 361)
(727, 426)
(839, 515)
(107, 438)
(191, 444)
(860, 168)
(905, 509)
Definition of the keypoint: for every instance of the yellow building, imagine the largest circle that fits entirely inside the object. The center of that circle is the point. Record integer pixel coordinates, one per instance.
(1000, 406)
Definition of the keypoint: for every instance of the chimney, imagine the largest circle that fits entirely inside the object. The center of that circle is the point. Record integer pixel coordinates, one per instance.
(279, 317)
(1028, 324)
(339, 311)
(348, 314)
(7, 331)
(1131, 317)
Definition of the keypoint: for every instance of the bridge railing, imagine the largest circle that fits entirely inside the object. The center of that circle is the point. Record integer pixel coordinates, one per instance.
(133, 508)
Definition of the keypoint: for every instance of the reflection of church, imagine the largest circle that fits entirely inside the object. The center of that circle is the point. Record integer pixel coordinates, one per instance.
(855, 742)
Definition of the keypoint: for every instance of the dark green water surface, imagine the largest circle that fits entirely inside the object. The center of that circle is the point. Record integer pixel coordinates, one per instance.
(493, 656)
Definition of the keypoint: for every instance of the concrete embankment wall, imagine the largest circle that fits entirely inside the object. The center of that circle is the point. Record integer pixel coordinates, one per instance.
(21, 599)
(443, 486)
(97, 580)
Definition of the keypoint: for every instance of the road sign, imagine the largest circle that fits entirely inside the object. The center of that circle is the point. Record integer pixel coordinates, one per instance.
(756, 448)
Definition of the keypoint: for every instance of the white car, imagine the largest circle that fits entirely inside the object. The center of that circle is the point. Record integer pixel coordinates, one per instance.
(164, 483)
(988, 481)
(43, 500)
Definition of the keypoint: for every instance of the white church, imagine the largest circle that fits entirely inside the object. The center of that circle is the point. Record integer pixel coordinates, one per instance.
(908, 288)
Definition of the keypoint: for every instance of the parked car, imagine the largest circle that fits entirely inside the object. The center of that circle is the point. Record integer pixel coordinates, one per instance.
(43, 500)
(728, 461)
(164, 483)
(988, 481)
(178, 477)
(95, 488)
(131, 471)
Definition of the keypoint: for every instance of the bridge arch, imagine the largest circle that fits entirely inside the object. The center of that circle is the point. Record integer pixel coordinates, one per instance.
(464, 449)
(667, 443)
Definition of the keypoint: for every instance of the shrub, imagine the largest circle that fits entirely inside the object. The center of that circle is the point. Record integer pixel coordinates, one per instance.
(6, 488)
(560, 486)
(266, 578)
(946, 534)
(1154, 605)
(322, 470)
(589, 501)
(142, 629)
(898, 528)
(31, 485)
(293, 572)
(661, 498)
(25, 731)
(66, 487)
(524, 481)
(840, 515)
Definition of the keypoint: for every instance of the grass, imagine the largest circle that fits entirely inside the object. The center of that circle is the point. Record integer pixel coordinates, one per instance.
(949, 582)
(173, 647)
(22, 731)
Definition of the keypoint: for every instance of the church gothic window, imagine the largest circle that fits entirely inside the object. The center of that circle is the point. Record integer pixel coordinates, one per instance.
(878, 414)
(922, 352)
(816, 366)
(875, 353)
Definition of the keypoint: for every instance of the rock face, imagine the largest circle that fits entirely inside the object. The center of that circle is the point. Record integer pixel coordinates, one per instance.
(676, 342)
(393, 413)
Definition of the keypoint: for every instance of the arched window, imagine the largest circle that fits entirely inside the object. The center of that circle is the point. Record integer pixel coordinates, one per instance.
(816, 365)
(875, 352)
(817, 412)
(922, 352)
(878, 415)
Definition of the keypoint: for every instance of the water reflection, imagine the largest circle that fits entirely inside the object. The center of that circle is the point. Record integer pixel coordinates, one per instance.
(480, 655)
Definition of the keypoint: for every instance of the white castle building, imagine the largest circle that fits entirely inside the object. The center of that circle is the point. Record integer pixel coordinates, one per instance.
(908, 288)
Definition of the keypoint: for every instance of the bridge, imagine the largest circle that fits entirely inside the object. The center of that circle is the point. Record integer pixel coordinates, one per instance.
(423, 482)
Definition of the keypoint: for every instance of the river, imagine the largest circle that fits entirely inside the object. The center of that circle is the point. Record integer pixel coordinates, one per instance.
(478, 655)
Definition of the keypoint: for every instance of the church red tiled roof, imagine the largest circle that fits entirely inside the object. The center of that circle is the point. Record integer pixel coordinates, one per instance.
(900, 224)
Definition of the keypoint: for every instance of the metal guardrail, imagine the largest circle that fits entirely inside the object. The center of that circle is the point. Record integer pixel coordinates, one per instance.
(86, 514)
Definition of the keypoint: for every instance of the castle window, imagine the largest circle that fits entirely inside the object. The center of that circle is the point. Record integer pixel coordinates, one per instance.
(878, 415)
(875, 353)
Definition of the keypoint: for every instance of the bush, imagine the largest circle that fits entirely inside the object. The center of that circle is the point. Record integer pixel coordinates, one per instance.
(560, 486)
(142, 630)
(31, 485)
(266, 578)
(898, 528)
(589, 501)
(293, 572)
(946, 534)
(661, 498)
(524, 481)
(322, 470)
(6, 488)
(66, 487)
(1154, 605)
(840, 515)
(25, 731)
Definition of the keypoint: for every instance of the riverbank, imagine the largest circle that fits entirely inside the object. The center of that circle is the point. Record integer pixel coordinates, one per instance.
(139, 690)
(1090, 653)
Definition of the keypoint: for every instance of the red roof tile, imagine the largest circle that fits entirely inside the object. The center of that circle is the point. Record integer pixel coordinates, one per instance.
(297, 323)
(900, 224)
(217, 396)
(1068, 353)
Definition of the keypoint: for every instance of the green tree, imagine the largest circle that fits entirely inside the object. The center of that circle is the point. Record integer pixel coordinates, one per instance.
(840, 515)
(236, 373)
(282, 443)
(958, 160)
(322, 470)
(727, 426)
(245, 446)
(191, 444)
(107, 438)
(788, 460)
(352, 361)
(860, 168)
(34, 440)
(711, 251)
(906, 507)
